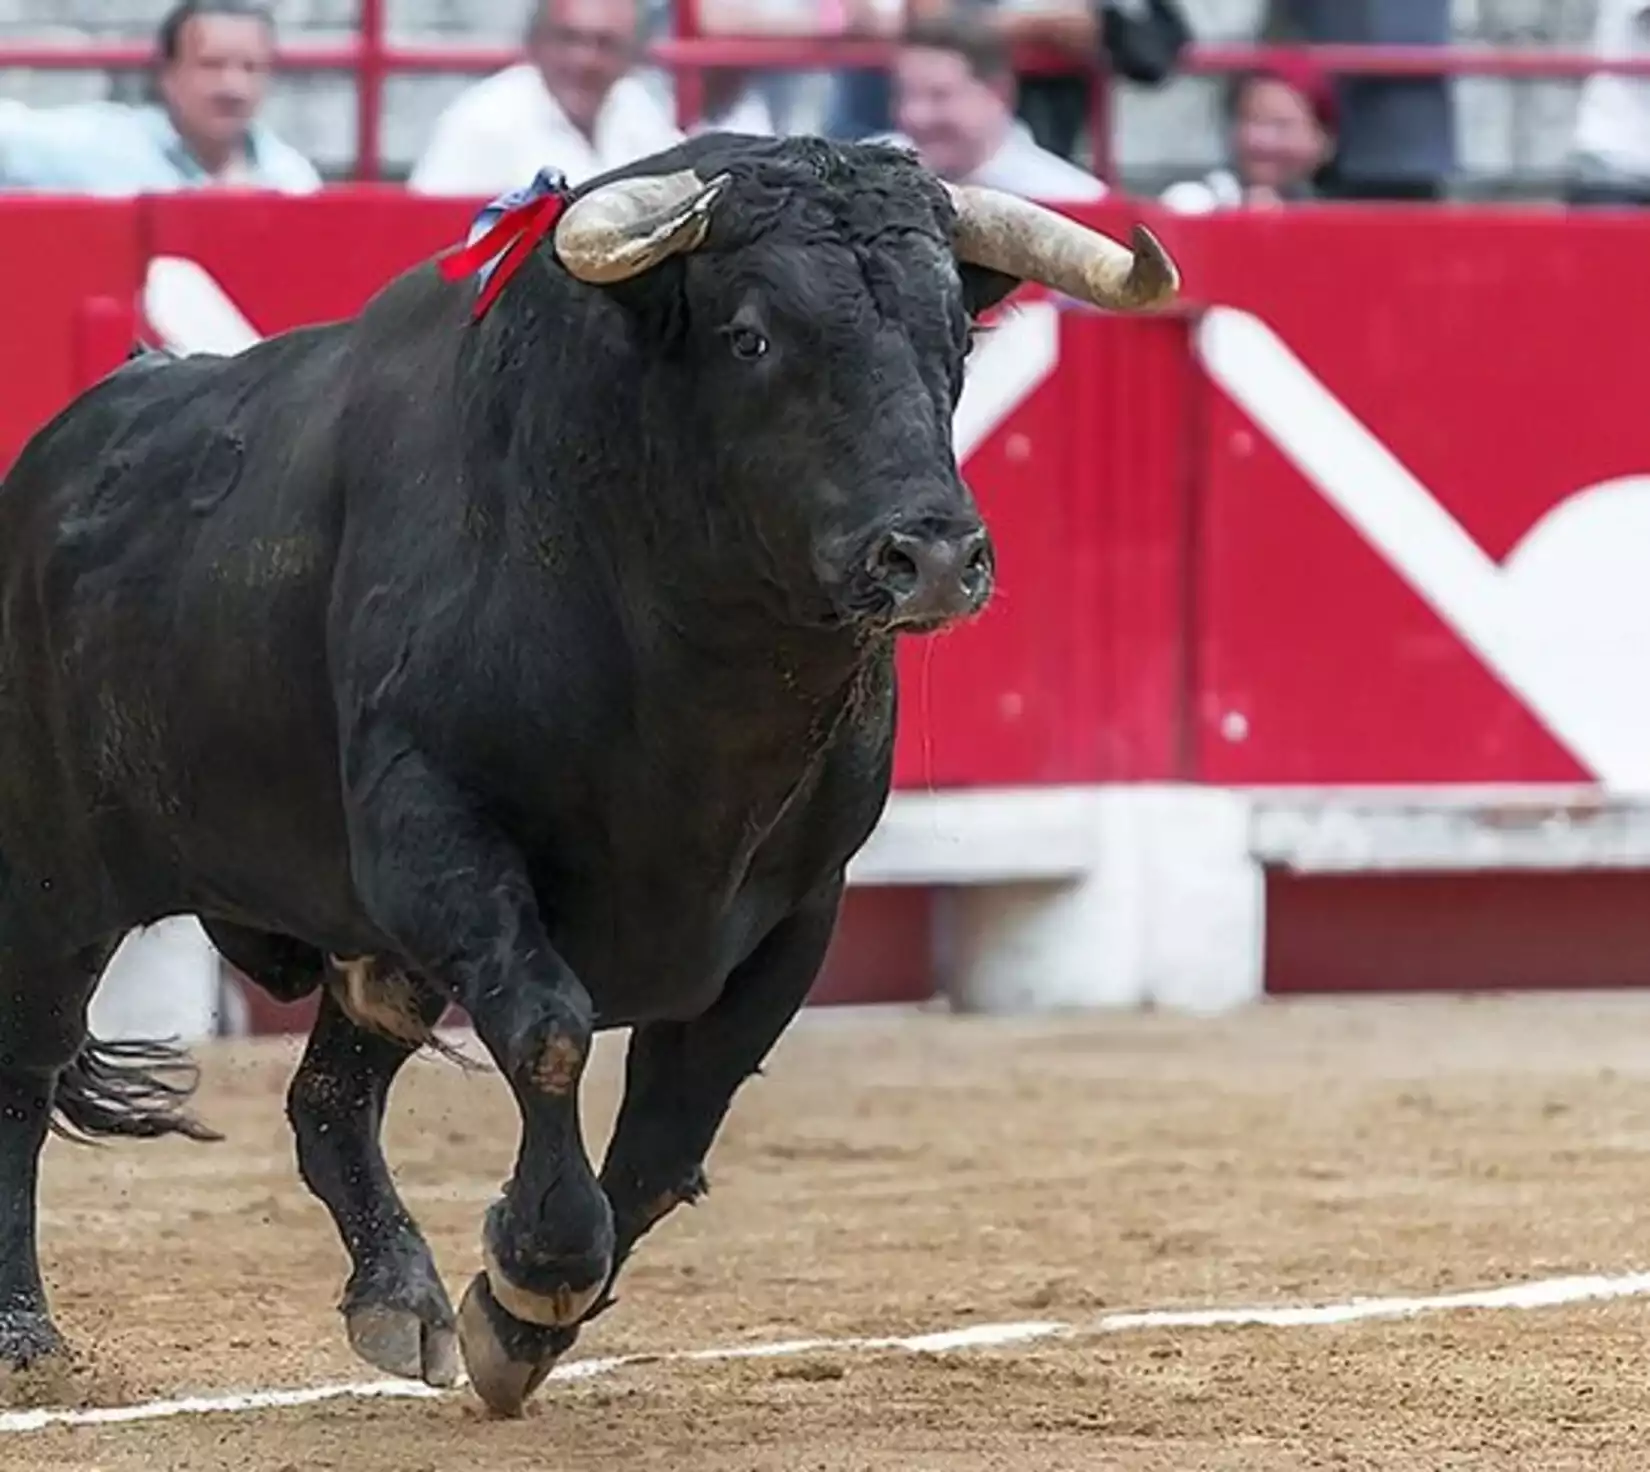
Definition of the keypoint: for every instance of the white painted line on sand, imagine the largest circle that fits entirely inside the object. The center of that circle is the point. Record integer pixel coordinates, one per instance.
(266, 1400)
(1545, 1293)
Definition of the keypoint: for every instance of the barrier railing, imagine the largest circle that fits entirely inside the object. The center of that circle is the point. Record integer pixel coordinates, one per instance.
(372, 58)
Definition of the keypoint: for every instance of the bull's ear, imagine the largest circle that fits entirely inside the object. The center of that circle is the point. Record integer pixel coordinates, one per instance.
(983, 288)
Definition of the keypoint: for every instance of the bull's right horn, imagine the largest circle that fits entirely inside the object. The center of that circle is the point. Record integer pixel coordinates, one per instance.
(627, 227)
(1005, 233)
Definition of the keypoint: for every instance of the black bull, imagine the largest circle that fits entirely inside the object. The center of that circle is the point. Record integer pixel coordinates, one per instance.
(541, 663)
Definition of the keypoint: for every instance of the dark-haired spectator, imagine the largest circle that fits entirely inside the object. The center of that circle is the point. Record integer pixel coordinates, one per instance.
(213, 60)
(1280, 131)
(954, 94)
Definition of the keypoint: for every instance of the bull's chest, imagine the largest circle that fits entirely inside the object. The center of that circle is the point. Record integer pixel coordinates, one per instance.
(674, 895)
(659, 941)
(712, 816)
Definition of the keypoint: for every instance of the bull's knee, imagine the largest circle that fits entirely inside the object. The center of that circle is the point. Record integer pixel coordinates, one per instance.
(545, 1061)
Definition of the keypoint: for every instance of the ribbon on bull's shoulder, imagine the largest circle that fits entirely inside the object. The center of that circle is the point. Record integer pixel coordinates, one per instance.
(503, 235)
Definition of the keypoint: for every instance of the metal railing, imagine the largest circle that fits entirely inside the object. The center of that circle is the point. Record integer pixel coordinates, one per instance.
(372, 58)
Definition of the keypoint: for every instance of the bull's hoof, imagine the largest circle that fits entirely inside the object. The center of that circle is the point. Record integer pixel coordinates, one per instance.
(400, 1319)
(399, 1342)
(506, 1359)
(29, 1341)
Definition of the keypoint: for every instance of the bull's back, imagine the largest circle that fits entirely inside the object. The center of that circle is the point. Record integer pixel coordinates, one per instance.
(165, 551)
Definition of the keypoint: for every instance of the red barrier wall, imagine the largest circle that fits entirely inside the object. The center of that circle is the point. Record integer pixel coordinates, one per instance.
(1368, 514)
(1496, 355)
(1089, 581)
(290, 261)
(69, 272)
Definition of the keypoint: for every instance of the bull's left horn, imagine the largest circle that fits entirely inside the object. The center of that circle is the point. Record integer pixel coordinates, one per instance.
(624, 228)
(1005, 233)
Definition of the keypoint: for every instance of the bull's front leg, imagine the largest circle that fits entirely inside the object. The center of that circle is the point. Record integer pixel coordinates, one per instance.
(454, 896)
(681, 1077)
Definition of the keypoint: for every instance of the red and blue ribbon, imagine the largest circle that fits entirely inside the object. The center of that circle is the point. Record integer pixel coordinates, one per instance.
(504, 234)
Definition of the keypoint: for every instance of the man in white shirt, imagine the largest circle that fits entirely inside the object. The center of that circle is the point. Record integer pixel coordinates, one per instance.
(954, 104)
(572, 105)
(1610, 161)
(212, 69)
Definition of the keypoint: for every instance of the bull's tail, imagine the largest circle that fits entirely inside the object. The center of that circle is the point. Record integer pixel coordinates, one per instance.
(132, 1090)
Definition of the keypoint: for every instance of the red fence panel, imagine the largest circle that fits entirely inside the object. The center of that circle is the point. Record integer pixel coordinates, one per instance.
(1135, 435)
(68, 272)
(1076, 672)
(1496, 355)
(1368, 514)
(286, 262)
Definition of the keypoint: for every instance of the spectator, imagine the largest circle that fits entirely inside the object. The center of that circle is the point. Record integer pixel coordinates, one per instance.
(1140, 40)
(954, 104)
(213, 60)
(1280, 131)
(1610, 156)
(1397, 134)
(574, 105)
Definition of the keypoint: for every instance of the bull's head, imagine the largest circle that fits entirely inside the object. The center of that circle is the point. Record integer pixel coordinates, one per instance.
(826, 299)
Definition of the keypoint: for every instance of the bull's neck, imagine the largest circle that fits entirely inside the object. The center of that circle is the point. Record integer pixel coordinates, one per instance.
(737, 654)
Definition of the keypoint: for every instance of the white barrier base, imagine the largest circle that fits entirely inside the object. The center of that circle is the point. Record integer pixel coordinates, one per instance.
(1154, 894)
(164, 981)
(1059, 898)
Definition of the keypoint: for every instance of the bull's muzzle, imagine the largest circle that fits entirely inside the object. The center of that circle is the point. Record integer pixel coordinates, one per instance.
(931, 580)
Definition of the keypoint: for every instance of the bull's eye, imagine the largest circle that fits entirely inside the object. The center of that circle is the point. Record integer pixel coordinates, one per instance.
(746, 344)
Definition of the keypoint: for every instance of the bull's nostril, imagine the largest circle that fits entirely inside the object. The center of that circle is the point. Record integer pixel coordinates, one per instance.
(895, 568)
(978, 567)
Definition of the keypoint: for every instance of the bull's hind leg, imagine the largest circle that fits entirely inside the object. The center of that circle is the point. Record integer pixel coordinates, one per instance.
(370, 1022)
(397, 1312)
(28, 1078)
(47, 1062)
(681, 1077)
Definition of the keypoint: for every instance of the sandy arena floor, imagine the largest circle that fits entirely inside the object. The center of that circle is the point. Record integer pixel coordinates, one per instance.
(919, 1173)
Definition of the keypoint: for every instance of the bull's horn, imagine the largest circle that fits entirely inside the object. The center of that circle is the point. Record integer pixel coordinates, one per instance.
(1004, 233)
(624, 228)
